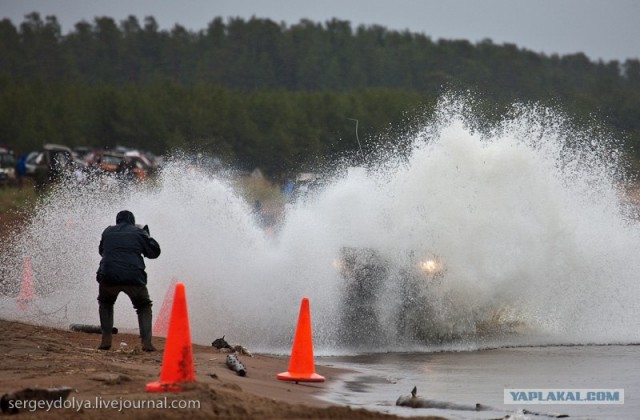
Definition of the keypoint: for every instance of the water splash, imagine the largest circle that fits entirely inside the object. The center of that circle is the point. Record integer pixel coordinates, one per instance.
(528, 217)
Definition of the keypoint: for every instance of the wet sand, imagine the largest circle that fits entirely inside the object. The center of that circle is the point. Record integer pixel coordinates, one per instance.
(43, 357)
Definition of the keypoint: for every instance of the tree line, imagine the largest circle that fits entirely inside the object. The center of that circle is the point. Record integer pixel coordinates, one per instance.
(271, 95)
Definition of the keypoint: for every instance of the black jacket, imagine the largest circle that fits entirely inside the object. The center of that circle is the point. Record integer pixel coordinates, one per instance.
(122, 247)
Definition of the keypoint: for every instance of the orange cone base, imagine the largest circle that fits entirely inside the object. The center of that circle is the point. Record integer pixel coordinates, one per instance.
(300, 377)
(164, 387)
(23, 304)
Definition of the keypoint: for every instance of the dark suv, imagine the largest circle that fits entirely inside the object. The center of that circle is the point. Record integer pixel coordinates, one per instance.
(7, 167)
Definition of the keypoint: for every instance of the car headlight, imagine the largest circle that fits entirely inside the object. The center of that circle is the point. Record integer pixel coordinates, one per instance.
(339, 265)
(431, 266)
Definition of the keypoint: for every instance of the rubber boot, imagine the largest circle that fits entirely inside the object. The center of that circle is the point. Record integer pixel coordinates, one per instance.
(144, 323)
(106, 326)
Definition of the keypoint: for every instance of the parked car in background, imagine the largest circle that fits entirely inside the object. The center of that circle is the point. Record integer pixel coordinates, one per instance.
(49, 156)
(7, 167)
(109, 162)
(81, 152)
(142, 167)
(88, 164)
(48, 164)
(30, 163)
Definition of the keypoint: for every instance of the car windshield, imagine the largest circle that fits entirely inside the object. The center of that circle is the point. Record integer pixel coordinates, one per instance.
(112, 160)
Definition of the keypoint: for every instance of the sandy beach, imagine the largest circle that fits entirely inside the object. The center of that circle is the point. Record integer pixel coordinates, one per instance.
(113, 382)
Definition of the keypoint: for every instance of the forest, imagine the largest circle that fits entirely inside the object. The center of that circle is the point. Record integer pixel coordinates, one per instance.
(263, 94)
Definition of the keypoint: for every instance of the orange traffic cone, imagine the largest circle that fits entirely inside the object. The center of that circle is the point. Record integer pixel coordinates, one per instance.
(161, 325)
(177, 361)
(27, 291)
(301, 367)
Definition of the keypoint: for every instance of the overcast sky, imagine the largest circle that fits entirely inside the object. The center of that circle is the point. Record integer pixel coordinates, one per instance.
(602, 29)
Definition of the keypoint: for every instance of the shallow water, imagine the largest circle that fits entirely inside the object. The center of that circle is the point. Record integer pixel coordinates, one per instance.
(468, 378)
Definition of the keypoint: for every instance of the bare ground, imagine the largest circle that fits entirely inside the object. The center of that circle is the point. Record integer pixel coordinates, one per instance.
(42, 357)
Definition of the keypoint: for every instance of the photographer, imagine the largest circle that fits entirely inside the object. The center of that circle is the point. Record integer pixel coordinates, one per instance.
(122, 269)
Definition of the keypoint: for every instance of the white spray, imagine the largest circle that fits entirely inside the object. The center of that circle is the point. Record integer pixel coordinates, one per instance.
(528, 218)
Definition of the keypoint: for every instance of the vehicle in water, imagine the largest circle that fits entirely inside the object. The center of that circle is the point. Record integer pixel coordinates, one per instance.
(406, 297)
(383, 299)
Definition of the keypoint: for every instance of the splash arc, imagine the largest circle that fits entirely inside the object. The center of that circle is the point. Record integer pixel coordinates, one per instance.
(529, 214)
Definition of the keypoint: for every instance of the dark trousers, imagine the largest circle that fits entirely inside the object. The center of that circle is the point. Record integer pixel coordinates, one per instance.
(139, 295)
